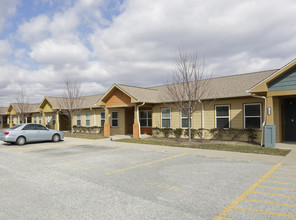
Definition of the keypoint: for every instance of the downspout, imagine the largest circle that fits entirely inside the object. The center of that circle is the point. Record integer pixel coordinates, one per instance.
(138, 118)
(265, 116)
(202, 118)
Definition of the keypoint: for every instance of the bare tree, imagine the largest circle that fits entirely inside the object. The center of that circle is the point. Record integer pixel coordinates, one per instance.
(71, 100)
(22, 105)
(188, 85)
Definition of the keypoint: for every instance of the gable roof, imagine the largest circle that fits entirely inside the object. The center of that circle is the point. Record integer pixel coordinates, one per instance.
(29, 108)
(86, 101)
(3, 110)
(262, 86)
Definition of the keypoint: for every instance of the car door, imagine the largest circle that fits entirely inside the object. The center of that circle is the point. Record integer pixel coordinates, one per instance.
(42, 133)
(29, 132)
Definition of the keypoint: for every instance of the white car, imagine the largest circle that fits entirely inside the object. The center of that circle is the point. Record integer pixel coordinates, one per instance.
(28, 132)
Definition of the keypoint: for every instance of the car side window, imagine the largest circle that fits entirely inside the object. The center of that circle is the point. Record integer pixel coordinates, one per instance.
(29, 127)
(40, 127)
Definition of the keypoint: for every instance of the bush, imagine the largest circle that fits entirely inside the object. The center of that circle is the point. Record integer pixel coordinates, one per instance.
(252, 134)
(84, 129)
(166, 132)
(193, 133)
(234, 133)
(178, 132)
(217, 133)
(199, 132)
(155, 131)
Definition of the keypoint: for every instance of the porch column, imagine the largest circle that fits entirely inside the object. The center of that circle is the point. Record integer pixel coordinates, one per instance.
(136, 134)
(57, 124)
(43, 119)
(270, 111)
(95, 118)
(10, 121)
(107, 131)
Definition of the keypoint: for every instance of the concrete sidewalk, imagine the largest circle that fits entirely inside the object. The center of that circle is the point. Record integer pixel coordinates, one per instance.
(247, 157)
(291, 157)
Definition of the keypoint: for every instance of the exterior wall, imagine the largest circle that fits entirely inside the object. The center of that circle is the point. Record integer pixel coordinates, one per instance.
(277, 112)
(47, 108)
(120, 130)
(236, 114)
(37, 117)
(286, 81)
(95, 117)
(118, 97)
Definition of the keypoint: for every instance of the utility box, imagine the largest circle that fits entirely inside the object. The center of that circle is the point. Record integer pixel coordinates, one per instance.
(269, 136)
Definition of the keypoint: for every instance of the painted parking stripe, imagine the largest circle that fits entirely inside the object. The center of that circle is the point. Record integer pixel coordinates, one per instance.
(240, 198)
(271, 187)
(86, 154)
(287, 169)
(140, 165)
(271, 203)
(270, 181)
(285, 173)
(266, 212)
(283, 177)
(272, 194)
(288, 166)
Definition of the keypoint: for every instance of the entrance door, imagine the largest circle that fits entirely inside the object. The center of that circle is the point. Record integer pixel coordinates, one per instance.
(290, 119)
(129, 120)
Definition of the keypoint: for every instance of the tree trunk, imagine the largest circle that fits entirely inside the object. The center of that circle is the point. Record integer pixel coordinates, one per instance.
(71, 124)
(189, 128)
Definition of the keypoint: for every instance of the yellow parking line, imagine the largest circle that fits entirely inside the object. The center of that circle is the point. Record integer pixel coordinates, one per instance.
(283, 177)
(287, 166)
(271, 203)
(266, 212)
(287, 169)
(285, 173)
(271, 187)
(79, 165)
(140, 165)
(232, 205)
(85, 154)
(269, 181)
(271, 194)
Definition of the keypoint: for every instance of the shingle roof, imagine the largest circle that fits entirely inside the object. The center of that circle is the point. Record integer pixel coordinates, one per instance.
(86, 101)
(3, 110)
(28, 108)
(220, 87)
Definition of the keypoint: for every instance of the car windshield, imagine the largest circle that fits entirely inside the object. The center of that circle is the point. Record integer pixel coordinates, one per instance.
(14, 127)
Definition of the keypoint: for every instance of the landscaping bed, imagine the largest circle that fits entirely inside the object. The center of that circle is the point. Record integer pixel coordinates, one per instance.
(83, 135)
(234, 146)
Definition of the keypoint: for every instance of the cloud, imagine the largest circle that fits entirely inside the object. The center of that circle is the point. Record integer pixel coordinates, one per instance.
(5, 50)
(8, 8)
(59, 53)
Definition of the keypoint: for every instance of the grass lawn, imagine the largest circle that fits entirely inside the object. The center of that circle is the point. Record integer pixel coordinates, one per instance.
(210, 145)
(83, 135)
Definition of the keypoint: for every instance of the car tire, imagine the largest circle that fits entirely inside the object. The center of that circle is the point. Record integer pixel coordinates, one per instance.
(56, 138)
(20, 140)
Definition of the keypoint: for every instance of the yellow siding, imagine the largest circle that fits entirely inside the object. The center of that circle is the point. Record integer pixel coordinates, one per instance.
(121, 122)
(47, 108)
(37, 115)
(95, 117)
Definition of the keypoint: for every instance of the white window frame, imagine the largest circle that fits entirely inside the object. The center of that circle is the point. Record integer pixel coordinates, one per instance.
(102, 119)
(185, 118)
(216, 117)
(253, 116)
(40, 119)
(87, 118)
(147, 118)
(114, 119)
(166, 117)
(78, 118)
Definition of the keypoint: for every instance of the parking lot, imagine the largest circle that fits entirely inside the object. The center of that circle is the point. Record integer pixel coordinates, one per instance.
(88, 179)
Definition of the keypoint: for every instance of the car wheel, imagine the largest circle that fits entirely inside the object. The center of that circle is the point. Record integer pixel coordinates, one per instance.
(21, 140)
(56, 138)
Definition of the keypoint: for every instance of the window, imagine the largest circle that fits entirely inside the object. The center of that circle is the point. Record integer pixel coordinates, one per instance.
(222, 116)
(35, 119)
(29, 127)
(165, 117)
(252, 114)
(78, 119)
(184, 118)
(146, 118)
(40, 127)
(114, 119)
(87, 118)
(102, 119)
(40, 121)
(53, 120)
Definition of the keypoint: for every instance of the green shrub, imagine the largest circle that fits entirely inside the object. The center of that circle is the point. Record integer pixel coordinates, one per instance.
(234, 133)
(217, 133)
(199, 132)
(193, 133)
(178, 132)
(252, 134)
(166, 132)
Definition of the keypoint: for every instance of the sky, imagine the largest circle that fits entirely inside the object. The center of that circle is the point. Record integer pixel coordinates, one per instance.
(134, 42)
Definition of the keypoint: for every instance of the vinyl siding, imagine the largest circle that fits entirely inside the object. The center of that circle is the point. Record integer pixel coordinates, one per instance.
(286, 81)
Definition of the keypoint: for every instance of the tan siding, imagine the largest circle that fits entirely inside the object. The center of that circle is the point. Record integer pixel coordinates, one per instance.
(277, 118)
(115, 100)
(121, 122)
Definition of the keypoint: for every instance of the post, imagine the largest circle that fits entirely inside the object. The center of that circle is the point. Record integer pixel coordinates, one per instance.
(43, 119)
(1, 122)
(95, 118)
(107, 128)
(57, 124)
(136, 125)
(10, 121)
